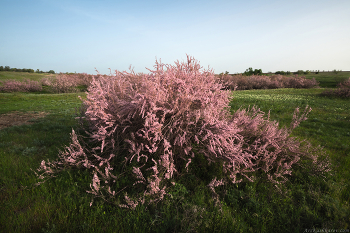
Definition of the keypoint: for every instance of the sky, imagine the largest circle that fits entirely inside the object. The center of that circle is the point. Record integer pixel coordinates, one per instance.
(224, 35)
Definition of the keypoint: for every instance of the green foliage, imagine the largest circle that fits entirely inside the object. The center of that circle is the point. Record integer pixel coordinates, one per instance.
(299, 72)
(178, 191)
(250, 72)
(283, 73)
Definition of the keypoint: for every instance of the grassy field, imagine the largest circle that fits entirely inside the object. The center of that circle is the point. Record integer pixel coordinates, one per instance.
(62, 204)
(327, 79)
(21, 76)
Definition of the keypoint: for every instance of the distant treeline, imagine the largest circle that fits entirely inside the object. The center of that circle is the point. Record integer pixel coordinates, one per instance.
(7, 68)
(301, 72)
(250, 72)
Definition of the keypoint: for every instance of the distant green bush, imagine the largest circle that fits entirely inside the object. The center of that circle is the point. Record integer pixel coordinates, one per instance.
(250, 72)
(283, 73)
(299, 72)
(280, 72)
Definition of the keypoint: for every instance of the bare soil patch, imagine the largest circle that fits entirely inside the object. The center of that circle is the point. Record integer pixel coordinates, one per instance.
(19, 118)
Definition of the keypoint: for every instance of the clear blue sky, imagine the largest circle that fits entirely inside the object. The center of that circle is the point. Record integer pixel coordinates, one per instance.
(81, 35)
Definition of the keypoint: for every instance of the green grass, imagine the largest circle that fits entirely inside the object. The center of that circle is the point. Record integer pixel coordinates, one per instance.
(62, 204)
(52, 103)
(329, 79)
(21, 76)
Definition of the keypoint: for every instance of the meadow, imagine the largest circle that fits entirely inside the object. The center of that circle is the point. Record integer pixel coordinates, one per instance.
(61, 204)
(327, 79)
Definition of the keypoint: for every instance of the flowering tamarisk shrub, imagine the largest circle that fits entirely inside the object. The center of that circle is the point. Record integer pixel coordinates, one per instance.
(242, 82)
(145, 130)
(17, 86)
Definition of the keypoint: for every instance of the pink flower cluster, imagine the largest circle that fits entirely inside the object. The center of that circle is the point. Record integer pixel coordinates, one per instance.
(241, 82)
(145, 127)
(17, 86)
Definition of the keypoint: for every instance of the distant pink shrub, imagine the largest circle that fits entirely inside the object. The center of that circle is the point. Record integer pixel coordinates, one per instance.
(18, 86)
(150, 127)
(46, 81)
(61, 83)
(345, 84)
(65, 83)
(242, 82)
(342, 90)
(301, 82)
(83, 79)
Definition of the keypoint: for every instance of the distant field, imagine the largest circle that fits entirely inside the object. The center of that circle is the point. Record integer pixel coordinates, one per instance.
(21, 76)
(327, 79)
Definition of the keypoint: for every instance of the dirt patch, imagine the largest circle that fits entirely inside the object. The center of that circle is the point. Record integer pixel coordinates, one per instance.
(19, 118)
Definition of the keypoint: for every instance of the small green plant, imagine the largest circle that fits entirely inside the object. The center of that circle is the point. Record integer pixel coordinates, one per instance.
(49, 228)
(178, 191)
